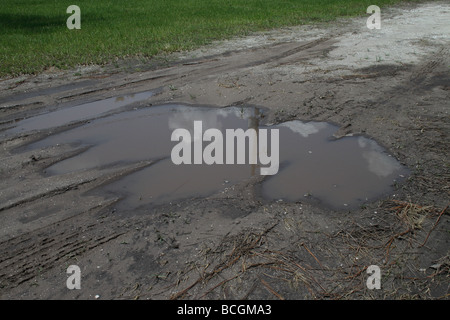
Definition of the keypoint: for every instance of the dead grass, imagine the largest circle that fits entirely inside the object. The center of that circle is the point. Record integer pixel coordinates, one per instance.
(239, 255)
(413, 215)
(255, 263)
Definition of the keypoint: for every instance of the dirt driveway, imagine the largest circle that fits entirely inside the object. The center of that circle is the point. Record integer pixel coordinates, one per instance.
(390, 84)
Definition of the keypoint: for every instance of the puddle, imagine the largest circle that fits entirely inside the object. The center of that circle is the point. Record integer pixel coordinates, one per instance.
(345, 172)
(145, 134)
(80, 112)
(339, 173)
(138, 135)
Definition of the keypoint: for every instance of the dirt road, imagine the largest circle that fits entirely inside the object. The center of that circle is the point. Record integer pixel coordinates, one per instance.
(390, 84)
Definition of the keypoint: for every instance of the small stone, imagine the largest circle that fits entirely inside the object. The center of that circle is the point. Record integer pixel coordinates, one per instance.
(436, 266)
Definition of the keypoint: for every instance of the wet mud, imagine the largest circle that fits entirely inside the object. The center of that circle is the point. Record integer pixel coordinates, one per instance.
(363, 117)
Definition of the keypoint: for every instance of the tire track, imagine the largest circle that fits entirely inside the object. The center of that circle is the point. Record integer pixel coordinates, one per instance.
(34, 253)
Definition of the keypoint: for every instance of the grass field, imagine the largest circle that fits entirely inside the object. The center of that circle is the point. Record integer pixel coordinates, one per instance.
(34, 36)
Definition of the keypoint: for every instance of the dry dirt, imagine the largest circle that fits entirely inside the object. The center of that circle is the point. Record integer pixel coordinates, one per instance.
(391, 84)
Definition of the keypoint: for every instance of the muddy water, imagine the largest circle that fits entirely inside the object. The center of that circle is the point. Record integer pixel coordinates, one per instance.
(77, 113)
(138, 135)
(339, 173)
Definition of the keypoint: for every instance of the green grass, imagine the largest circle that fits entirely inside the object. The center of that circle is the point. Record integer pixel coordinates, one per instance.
(34, 36)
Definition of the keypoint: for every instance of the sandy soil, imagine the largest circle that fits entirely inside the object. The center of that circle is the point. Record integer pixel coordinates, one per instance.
(391, 84)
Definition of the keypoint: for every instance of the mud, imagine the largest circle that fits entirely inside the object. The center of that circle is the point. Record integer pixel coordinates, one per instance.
(58, 206)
